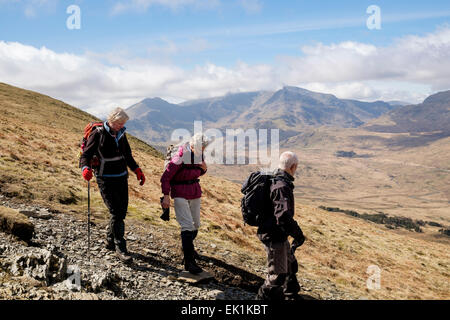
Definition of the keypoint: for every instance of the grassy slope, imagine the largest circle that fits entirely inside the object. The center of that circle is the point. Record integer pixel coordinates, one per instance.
(38, 163)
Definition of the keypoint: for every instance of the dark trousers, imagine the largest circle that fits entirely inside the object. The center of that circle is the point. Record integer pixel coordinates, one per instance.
(282, 267)
(114, 192)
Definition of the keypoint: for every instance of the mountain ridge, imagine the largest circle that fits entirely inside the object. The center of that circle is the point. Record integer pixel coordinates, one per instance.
(432, 115)
(288, 109)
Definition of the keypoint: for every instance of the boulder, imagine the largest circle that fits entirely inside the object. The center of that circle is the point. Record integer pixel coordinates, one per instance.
(41, 265)
(13, 222)
(36, 214)
(105, 281)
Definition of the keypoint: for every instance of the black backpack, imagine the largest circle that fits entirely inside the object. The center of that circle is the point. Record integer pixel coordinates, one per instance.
(256, 200)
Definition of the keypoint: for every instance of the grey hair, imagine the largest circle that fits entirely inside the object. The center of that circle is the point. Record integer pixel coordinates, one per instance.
(199, 140)
(287, 160)
(118, 115)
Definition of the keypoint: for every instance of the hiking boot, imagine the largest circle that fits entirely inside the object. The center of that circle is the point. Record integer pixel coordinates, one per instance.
(124, 256)
(196, 257)
(291, 286)
(190, 265)
(110, 245)
(270, 293)
(194, 235)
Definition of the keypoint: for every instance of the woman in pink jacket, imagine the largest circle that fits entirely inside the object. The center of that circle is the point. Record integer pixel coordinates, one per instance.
(180, 180)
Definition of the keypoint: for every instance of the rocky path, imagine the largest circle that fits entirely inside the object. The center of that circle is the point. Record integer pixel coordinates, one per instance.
(44, 268)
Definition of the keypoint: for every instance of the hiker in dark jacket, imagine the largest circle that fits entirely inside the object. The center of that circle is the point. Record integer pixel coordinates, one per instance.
(109, 145)
(281, 282)
(180, 181)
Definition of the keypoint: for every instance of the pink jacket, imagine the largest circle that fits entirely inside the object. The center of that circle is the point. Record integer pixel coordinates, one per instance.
(177, 171)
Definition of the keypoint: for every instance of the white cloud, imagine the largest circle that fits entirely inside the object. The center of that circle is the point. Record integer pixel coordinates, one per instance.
(410, 69)
(347, 90)
(415, 59)
(93, 84)
(79, 80)
(373, 90)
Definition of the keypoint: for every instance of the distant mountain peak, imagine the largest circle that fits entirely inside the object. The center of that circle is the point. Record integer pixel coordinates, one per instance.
(306, 92)
(297, 90)
(440, 97)
(154, 100)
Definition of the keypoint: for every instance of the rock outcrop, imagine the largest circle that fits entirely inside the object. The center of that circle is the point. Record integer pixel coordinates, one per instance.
(41, 265)
(13, 222)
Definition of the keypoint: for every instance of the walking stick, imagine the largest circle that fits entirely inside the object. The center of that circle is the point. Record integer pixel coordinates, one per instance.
(89, 221)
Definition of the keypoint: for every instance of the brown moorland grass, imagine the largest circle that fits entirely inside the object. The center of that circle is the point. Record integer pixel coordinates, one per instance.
(39, 164)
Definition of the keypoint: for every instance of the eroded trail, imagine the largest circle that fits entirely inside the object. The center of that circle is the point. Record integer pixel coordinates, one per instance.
(152, 275)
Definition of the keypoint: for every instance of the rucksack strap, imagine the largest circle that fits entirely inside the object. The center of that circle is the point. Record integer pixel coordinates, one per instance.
(102, 159)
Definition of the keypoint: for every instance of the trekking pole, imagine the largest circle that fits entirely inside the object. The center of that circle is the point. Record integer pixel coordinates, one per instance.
(89, 221)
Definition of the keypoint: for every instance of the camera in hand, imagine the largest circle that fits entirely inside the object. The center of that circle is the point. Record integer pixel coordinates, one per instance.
(166, 212)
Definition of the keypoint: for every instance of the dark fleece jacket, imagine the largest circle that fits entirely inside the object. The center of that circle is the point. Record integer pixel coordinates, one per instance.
(279, 223)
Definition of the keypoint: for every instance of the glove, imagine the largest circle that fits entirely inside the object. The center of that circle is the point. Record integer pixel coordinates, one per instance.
(87, 174)
(296, 243)
(140, 176)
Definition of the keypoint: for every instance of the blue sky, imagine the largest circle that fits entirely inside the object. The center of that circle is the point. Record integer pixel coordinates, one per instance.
(217, 39)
